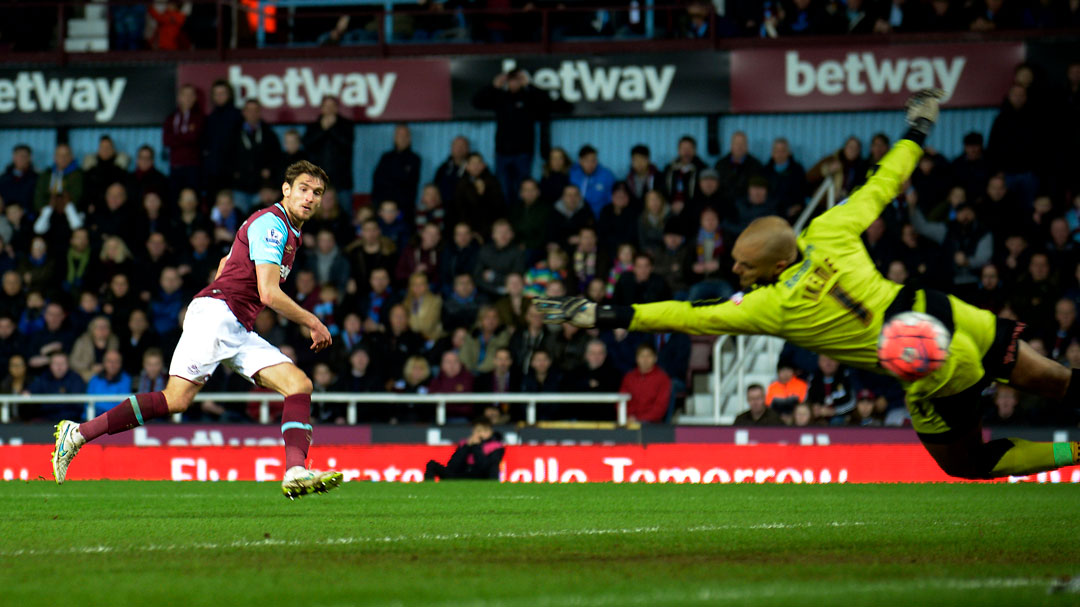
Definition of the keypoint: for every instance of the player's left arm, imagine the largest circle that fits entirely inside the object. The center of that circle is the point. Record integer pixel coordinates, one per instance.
(866, 203)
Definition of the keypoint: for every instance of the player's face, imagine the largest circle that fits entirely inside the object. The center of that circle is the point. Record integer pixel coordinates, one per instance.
(303, 197)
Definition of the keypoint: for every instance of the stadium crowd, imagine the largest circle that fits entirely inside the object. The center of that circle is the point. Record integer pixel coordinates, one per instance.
(168, 26)
(427, 289)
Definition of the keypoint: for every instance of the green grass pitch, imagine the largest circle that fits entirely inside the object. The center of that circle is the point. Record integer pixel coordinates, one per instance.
(481, 544)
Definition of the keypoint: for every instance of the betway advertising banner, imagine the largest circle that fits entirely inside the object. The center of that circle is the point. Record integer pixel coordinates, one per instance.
(548, 464)
(86, 96)
(811, 79)
(612, 85)
(368, 91)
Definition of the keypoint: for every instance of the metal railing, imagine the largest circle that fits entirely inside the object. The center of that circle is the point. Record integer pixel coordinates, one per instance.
(746, 349)
(353, 400)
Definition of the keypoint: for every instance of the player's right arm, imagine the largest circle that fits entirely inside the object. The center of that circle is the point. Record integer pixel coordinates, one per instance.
(758, 312)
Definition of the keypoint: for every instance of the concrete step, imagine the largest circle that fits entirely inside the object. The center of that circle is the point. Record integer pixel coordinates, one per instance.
(86, 45)
(702, 420)
(88, 28)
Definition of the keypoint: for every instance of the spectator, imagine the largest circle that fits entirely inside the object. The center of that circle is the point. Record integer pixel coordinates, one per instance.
(459, 257)
(568, 349)
(589, 261)
(518, 107)
(222, 125)
(504, 378)
(152, 375)
(530, 218)
(711, 259)
(19, 180)
(757, 414)
(58, 379)
(102, 170)
(293, 152)
(787, 391)
(592, 179)
(378, 300)
(462, 306)
(845, 167)
(758, 202)
(362, 377)
(114, 217)
(570, 216)
(169, 34)
(452, 170)
(802, 416)
(1006, 409)
(555, 176)
(11, 341)
(423, 256)
(802, 18)
(152, 219)
(51, 338)
(968, 244)
(111, 379)
(970, 170)
(478, 200)
(431, 211)
(255, 159)
(641, 285)
(652, 221)
(182, 135)
(708, 195)
(139, 339)
(737, 168)
(146, 178)
(649, 388)
(61, 183)
(88, 353)
(198, 263)
(166, 304)
(541, 378)
(17, 380)
(477, 353)
(415, 376)
(32, 318)
(554, 268)
(598, 374)
(79, 264)
(993, 15)
(830, 390)
(370, 252)
(424, 308)
(1015, 146)
(397, 176)
(398, 341)
(477, 457)
(619, 220)
(497, 259)
(329, 143)
(453, 378)
(328, 263)
(674, 261)
(991, 294)
(787, 179)
(514, 304)
(864, 412)
(681, 176)
(1064, 331)
(534, 336)
(643, 176)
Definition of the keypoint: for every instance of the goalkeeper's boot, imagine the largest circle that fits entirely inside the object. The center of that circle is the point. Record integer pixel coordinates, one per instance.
(299, 481)
(68, 442)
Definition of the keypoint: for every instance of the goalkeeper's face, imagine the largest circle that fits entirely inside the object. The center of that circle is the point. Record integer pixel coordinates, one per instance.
(303, 197)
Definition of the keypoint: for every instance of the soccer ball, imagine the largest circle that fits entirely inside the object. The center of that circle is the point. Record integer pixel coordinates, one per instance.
(913, 345)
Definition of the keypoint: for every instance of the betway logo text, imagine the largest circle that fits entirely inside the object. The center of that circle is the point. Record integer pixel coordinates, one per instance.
(31, 92)
(862, 73)
(300, 87)
(577, 80)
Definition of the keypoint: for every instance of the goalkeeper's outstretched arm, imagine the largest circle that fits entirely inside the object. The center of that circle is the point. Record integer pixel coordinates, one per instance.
(757, 312)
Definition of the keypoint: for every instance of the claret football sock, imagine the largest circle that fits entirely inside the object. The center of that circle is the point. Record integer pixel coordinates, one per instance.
(296, 428)
(135, 411)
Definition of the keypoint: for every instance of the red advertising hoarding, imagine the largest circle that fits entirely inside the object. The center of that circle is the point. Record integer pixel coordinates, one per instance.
(834, 78)
(654, 463)
(368, 91)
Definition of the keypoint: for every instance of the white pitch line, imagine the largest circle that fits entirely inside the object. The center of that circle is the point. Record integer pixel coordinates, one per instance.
(393, 539)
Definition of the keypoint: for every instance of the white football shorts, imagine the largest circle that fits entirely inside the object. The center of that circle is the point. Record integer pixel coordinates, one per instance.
(212, 336)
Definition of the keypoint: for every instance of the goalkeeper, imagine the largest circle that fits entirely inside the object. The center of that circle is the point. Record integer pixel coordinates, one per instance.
(820, 290)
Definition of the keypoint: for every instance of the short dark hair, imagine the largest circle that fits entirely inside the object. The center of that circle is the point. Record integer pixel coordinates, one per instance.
(304, 167)
(688, 139)
(754, 387)
(481, 421)
(586, 150)
(643, 255)
(105, 137)
(640, 150)
(973, 138)
(880, 136)
(21, 147)
(645, 346)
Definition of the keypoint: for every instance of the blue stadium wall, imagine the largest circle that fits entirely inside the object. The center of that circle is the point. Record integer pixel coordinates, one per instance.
(811, 136)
